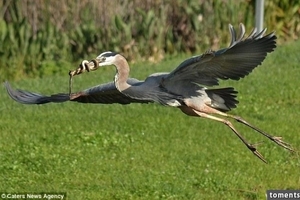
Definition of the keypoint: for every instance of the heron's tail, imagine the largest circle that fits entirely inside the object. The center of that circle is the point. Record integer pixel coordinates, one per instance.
(222, 99)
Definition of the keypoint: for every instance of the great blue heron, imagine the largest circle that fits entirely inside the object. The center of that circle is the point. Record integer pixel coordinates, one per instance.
(183, 88)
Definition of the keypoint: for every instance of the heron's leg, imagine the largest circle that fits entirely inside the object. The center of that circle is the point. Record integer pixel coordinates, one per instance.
(229, 124)
(275, 139)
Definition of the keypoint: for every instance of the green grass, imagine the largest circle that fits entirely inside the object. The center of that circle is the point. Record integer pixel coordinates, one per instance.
(150, 151)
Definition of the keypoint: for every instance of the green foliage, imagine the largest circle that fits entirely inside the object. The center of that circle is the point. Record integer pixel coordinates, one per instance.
(48, 37)
(284, 17)
(151, 151)
(22, 53)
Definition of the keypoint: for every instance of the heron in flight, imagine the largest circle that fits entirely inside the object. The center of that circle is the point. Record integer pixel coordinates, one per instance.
(185, 87)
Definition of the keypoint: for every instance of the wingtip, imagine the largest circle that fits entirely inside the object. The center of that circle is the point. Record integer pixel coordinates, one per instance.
(8, 88)
(26, 97)
(6, 84)
(21, 96)
(10, 91)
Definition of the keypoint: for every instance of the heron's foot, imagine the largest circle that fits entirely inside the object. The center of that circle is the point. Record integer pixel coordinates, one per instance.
(255, 152)
(278, 140)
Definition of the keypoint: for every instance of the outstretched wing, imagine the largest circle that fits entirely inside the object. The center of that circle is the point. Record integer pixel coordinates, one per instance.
(234, 62)
(103, 94)
(27, 97)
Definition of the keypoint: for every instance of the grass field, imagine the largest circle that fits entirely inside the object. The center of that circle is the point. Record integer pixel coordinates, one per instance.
(150, 151)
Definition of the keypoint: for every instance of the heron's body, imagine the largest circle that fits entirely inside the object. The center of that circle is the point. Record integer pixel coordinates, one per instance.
(185, 87)
(156, 88)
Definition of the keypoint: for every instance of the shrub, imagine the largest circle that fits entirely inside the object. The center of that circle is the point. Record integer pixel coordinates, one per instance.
(40, 38)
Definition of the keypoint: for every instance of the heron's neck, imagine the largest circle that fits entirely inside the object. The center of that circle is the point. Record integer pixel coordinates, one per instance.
(122, 74)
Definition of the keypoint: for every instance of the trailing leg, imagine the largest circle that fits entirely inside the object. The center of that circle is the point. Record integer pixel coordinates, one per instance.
(229, 124)
(275, 139)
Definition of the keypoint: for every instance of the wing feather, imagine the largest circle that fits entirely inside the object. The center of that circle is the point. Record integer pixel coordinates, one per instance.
(26, 97)
(234, 62)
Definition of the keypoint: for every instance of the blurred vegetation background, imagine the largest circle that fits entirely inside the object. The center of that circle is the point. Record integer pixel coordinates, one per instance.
(39, 38)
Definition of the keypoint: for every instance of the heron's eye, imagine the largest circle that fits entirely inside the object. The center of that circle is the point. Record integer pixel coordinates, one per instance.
(103, 58)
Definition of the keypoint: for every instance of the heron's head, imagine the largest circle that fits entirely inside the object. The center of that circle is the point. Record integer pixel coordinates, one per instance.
(104, 59)
(107, 58)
